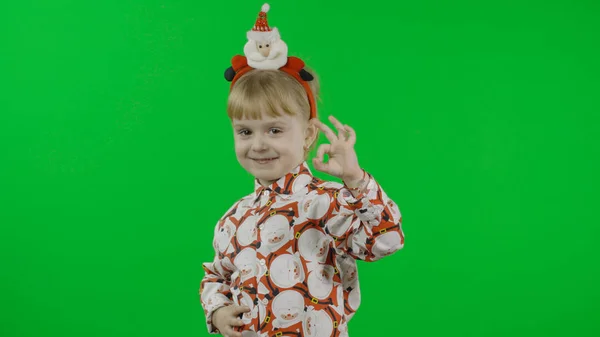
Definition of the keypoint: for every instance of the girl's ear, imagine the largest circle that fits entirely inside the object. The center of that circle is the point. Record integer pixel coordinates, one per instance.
(311, 133)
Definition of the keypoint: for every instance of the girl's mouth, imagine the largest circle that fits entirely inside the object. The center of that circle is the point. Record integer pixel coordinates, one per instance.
(264, 160)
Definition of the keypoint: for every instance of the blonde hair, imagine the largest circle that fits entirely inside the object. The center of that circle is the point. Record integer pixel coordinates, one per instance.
(270, 93)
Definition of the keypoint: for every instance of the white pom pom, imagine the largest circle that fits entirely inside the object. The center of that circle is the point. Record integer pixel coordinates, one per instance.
(265, 8)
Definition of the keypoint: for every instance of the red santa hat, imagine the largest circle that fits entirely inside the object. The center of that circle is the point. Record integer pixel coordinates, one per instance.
(261, 30)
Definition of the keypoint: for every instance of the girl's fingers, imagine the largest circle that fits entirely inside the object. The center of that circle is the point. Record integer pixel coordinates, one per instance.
(321, 166)
(240, 310)
(231, 333)
(342, 133)
(327, 131)
(236, 322)
(321, 151)
(351, 134)
(319, 160)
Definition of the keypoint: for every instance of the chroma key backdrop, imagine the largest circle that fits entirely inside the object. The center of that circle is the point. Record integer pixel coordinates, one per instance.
(479, 118)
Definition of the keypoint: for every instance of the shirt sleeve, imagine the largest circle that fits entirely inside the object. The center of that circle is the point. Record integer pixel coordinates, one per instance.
(215, 291)
(367, 227)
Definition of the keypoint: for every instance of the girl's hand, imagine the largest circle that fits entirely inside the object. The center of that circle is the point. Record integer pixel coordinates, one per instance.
(343, 162)
(226, 318)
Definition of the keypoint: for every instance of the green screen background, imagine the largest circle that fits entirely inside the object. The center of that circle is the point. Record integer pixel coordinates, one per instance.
(478, 118)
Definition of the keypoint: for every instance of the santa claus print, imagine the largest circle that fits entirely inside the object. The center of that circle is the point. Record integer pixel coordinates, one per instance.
(354, 298)
(247, 264)
(317, 206)
(349, 273)
(320, 281)
(215, 300)
(286, 271)
(386, 244)
(317, 323)
(394, 210)
(314, 245)
(359, 243)
(253, 313)
(300, 184)
(223, 236)
(247, 231)
(340, 223)
(274, 233)
(288, 309)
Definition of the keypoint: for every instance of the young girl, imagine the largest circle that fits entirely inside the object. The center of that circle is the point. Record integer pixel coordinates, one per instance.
(285, 255)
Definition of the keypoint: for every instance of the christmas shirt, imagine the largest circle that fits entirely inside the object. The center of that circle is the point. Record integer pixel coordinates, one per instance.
(288, 251)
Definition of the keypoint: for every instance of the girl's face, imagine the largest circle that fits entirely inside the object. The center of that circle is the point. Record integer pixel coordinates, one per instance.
(270, 147)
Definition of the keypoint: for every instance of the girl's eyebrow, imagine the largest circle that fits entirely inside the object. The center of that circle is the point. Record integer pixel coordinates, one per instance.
(277, 122)
(268, 124)
(239, 125)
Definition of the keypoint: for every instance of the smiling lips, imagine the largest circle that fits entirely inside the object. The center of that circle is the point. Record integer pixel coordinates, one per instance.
(263, 160)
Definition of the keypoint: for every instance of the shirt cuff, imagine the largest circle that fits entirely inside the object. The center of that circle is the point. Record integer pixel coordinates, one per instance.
(358, 200)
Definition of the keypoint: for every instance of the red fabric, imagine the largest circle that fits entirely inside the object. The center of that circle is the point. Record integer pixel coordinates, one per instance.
(261, 24)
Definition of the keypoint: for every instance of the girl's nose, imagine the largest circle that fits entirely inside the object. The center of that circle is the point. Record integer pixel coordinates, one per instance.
(259, 143)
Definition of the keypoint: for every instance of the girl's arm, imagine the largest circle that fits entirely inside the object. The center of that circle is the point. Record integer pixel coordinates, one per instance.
(215, 291)
(364, 222)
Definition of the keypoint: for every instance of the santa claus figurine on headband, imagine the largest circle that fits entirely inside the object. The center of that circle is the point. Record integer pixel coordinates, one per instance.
(265, 49)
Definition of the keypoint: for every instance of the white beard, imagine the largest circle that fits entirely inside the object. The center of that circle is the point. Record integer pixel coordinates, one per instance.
(277, 57)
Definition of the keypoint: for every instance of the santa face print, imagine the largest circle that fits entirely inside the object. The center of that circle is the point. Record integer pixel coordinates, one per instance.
(320, 281)
(354, 298)
(340, 223)
(394, 210)
(313, 245)
(386, 244)
(317, 324)
(306, 205)
(270, 147)
(287, 271)
(317, 206)
(343, 326)
(350, 277)
(224, 234)
(253, 313)
(300, 183)
(246, 233)
(274, 233)
(247, 264)
(358, 244)
(216, 300)
(288, 308)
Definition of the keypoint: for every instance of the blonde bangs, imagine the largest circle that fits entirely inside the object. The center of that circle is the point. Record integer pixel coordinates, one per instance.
(266, 93)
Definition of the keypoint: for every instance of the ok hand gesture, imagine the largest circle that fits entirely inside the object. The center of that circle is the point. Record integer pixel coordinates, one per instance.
(343, 162)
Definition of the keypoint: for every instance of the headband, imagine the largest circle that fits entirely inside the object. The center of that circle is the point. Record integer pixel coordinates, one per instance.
(266, 50)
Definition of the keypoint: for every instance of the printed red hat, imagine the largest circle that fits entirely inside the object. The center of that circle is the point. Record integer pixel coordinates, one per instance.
(261, 30)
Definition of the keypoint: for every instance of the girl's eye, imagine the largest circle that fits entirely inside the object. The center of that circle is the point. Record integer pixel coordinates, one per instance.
(275, 131)
(260, 46)
(267, 46)
(244, 132)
